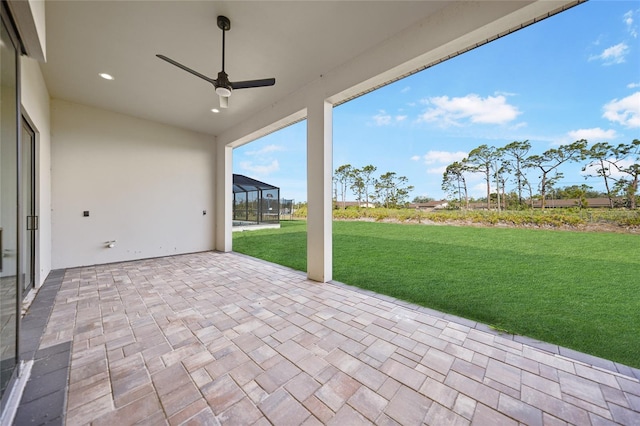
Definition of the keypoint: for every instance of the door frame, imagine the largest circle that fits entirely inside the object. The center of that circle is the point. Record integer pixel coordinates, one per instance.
(31, 218)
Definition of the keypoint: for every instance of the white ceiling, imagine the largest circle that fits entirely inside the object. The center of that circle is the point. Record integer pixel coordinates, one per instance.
(294, 41)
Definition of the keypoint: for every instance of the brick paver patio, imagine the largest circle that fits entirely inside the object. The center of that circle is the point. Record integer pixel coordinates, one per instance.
(213, 338)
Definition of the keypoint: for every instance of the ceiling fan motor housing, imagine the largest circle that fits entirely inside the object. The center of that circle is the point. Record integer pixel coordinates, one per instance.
(223, 86)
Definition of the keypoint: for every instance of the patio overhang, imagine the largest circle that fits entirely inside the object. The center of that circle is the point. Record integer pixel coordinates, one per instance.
(321, 53)
(129, 174)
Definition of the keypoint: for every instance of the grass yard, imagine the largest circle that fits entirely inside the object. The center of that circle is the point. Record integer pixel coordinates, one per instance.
(576, 289)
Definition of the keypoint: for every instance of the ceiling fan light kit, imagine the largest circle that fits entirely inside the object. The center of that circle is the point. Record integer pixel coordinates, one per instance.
(225, 92)
(222, 85)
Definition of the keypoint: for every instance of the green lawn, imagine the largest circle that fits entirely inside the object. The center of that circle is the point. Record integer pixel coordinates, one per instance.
(575, 289)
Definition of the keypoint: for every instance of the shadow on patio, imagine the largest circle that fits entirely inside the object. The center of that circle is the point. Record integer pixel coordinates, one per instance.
(213, 338)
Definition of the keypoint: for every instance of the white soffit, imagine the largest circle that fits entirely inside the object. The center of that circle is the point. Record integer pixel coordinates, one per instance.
(450, 31)
(335, 49)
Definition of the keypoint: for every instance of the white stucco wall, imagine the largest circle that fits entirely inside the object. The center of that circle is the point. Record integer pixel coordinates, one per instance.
(145, 185)
(35, 106)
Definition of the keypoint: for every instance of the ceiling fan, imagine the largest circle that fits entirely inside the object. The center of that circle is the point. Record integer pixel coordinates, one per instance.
(223, 86)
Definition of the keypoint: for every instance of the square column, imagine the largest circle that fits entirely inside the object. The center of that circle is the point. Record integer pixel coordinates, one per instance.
(223, 198)
(319, 201)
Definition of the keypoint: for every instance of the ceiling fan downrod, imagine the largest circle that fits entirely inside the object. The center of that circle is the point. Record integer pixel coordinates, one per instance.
(223, 89)
(225, 25)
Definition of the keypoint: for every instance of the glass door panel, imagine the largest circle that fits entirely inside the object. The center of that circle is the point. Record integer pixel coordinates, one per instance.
(29, 215)
(8, 209)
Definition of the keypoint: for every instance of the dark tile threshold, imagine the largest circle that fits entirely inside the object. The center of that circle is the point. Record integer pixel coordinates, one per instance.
(45, 394)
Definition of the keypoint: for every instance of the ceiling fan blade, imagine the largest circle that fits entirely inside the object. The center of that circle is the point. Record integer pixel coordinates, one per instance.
(253, 83)
(187, 69)
(224, 101)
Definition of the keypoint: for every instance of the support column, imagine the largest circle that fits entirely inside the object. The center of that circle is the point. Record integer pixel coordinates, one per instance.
(223, 197)
(319, 173)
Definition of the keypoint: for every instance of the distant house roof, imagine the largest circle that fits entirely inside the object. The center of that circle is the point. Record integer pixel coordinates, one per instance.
(242, 183)
(573, 202)
(430, 204)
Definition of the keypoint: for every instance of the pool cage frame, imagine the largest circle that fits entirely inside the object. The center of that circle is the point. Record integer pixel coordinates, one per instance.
(254, 202)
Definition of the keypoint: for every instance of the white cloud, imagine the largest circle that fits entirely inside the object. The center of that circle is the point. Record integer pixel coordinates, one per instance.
(437, 170)
(592, 169)
(504, 93)
(265, 150)
(405, 89)
(260, 169)
(613, 55)
(633, 85)
(453, 111)
(625, 111)
(262, 161)
(479, 190)
(593, 135)
(439, 160)
(382, 118)
(443, 157)
(628, 20)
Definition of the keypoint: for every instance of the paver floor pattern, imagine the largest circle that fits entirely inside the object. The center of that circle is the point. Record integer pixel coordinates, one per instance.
(219, 338)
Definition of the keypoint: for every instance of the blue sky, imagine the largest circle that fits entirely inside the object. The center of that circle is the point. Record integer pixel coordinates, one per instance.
(573, 76)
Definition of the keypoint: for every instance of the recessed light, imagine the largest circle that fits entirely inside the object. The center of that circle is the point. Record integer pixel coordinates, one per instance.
(106, 76)
(215, 110)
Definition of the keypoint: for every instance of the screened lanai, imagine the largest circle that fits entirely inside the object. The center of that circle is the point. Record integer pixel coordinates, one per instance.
(254, 202)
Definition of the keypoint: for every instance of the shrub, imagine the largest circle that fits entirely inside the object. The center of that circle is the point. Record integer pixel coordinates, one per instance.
(632, 220)
(548, 218)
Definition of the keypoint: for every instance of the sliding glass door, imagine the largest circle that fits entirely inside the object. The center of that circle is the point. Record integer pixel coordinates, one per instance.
(9, 293)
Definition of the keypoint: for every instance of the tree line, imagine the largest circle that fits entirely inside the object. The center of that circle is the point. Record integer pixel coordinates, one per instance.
(507, 173)
(617, 165)
(388, 190)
